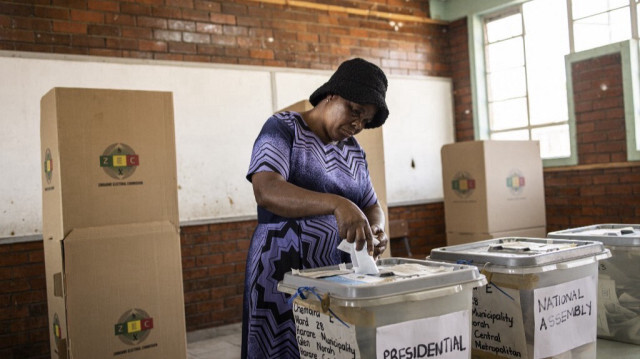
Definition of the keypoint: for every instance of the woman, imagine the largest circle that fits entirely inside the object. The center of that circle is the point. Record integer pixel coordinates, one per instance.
(312, 186)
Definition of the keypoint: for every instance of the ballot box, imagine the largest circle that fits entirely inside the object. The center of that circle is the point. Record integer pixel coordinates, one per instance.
(540, 300)
(618, 281)
(412, 308)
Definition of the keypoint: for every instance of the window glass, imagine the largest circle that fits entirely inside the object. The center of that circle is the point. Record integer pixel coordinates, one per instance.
(518, 135)
(504, 28)
(504, 54)
(546, 76)
(506, 84)
(554, 141)
(508, 114)
(602, 29)
(525, 75)
(584, 8)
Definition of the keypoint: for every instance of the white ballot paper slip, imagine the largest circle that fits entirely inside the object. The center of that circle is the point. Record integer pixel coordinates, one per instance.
(362, 262)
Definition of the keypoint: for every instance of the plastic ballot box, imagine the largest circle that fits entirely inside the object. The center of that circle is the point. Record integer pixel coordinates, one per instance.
(619, 278)
(540, 300)
(412, 308)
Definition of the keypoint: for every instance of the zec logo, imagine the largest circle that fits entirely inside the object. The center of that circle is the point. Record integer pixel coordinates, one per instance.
(463, 184)
(515, 182)
(48, 165)
(119, 161)
(134, 326)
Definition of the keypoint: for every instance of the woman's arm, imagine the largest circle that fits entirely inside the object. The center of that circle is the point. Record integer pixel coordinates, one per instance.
(280, 197)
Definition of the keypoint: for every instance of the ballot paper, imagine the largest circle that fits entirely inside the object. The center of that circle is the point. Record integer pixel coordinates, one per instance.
(362, 262)
(415, 269)
(323, 273)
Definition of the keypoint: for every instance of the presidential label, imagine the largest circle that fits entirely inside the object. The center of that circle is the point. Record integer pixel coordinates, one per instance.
(445, 336)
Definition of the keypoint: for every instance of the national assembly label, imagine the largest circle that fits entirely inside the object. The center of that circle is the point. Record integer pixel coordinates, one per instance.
(565, 316)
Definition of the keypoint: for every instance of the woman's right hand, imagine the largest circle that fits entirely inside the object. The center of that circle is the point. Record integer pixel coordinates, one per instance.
(353, 225)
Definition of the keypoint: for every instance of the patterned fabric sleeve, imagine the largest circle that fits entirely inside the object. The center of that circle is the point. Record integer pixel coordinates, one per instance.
(369, 197)
(272, 149)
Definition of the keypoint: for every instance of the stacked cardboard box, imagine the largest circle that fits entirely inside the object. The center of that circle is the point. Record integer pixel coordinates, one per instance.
(493, 189)
(110, 224)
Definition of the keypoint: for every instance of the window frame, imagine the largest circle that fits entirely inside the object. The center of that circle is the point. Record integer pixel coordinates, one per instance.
(480, 101)
(630, 55)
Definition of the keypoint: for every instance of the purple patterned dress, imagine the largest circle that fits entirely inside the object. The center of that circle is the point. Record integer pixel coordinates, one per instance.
(287, 146)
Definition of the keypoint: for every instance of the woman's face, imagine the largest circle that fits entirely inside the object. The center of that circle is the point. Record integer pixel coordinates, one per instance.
(346, 118)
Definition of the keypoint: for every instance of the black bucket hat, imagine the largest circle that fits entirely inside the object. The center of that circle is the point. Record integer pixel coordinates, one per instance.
(359, 81)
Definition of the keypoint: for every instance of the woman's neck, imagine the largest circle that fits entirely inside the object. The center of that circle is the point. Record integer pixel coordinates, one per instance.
(313, 118)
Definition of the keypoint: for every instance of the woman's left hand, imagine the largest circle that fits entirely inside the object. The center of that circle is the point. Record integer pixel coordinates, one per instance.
(380, 235)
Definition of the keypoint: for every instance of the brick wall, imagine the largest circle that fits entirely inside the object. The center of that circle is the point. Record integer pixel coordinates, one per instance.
(24, 328)
(213, 264)
(585, 197)
(426, 228)
(461, 76)
(235, 32)
(599, 110)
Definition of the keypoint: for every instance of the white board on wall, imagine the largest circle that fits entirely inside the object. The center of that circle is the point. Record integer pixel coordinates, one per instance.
(219, 110)
(420, 123)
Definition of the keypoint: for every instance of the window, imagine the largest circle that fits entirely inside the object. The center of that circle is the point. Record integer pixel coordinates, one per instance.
(600, 22)
(525, 80)
(521, 53)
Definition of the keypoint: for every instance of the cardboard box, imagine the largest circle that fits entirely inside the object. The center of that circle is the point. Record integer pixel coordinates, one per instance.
(454, 238)
(372, 142)
(110, 157)
(110, 224)
(119, 293)
(493, 186)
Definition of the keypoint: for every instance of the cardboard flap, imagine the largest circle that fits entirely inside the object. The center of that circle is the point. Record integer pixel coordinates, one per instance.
(124, 286)
(108, 157)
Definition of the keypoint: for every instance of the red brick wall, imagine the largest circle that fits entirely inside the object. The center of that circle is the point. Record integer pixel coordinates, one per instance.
(426, 229)
(599, 110)
(235, 32)
(213, 264)
(585, 197)
(461, 76)
(24, 328)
